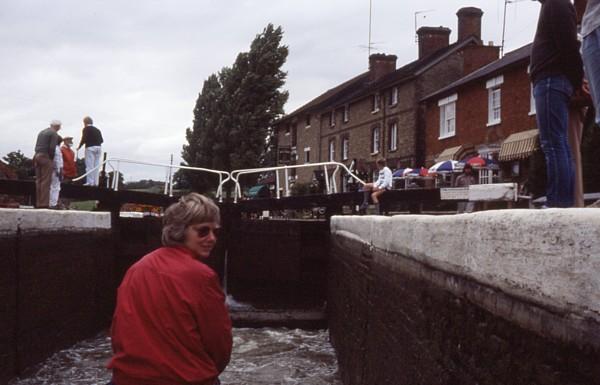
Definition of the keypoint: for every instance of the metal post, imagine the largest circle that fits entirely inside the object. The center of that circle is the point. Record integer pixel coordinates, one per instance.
(102, 178)
(220, 188)
(326, 179)
(287, 183)
(166, 181)
(116, 176)
(171, 183)
(277, 183)
(333, 179)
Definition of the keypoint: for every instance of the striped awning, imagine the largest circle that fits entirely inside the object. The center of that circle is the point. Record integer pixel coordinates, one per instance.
(454, 153)
(519, 146)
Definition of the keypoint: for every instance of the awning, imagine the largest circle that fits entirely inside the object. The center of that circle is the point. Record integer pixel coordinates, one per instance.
(519, 146)
(454, 153)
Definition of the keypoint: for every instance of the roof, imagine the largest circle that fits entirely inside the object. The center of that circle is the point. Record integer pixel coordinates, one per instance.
(360, 86)
(510, 59)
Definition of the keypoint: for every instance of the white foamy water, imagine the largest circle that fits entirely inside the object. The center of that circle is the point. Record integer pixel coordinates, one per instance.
(260, 357)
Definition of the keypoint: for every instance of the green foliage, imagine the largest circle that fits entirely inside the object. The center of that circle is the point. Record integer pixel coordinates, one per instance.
(236, 110)
(22, 165)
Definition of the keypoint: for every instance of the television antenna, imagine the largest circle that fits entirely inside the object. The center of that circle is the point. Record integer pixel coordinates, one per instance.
(416, 15)
(506, 2)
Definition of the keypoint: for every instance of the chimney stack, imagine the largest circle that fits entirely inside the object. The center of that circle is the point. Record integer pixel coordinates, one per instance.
(432, 39)
(469, 23)
(380, 65)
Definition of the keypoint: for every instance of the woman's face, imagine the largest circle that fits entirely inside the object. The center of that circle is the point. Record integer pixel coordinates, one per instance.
(201, 238)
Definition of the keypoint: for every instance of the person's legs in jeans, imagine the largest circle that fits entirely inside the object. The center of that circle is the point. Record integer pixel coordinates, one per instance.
(591, 62)
(552, 95)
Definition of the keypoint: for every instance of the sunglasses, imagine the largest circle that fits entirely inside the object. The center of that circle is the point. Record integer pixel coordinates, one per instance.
(204, 231)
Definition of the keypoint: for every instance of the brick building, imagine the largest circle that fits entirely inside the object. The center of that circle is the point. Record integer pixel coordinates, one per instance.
(490, 112)
(377, 113)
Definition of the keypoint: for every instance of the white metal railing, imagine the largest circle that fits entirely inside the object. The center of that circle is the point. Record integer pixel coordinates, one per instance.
(330, 183)
(115, 165)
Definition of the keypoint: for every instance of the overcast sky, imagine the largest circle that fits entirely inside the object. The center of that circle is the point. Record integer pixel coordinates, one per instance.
(137, 67)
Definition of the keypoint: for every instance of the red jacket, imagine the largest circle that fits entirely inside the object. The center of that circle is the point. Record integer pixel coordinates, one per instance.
(69, 168)
(171, 325)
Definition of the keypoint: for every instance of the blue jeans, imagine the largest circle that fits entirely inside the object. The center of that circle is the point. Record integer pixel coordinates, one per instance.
(591, 62)
(552, 96)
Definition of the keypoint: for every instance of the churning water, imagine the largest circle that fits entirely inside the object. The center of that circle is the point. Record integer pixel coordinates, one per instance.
(260, 357)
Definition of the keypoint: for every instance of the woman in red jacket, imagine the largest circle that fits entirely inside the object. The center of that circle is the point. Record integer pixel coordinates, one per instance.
(171, 325)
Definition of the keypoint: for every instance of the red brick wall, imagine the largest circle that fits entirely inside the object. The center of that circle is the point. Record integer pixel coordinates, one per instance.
(472, 114)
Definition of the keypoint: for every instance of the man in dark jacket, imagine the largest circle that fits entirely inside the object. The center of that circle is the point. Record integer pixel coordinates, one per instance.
(45, 148)
(556, 73)
(91, 137)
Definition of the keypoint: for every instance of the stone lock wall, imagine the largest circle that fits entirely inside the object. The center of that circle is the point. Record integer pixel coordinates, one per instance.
(504, 297)
(54, 289)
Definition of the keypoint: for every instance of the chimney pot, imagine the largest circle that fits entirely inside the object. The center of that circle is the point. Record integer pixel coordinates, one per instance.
(469, 23)
(380, 65)
(432, 39)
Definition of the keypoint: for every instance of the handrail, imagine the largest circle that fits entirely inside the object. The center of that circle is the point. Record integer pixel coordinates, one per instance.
(169, 178)
(235, 175)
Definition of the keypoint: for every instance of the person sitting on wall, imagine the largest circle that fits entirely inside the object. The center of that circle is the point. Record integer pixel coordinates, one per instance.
(466, 179)
(171, 324)
(381, 185)
(68, 155)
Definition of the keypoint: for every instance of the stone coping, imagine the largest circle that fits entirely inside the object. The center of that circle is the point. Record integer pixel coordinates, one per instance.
(550, 257)
(43, 220)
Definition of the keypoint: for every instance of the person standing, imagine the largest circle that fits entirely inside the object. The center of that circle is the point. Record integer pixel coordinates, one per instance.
(68, 156)
(465, 179)
(590, 30)
(171, 324)
(57, 176)
(45, 149)
(91, 137)
(556, 73)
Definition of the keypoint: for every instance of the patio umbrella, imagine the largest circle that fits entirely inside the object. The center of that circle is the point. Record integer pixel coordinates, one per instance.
(401, 172)
(477, 161)
(444, 166)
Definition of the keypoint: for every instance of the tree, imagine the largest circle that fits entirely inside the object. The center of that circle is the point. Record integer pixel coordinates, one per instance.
(22, 165)
(236, 110)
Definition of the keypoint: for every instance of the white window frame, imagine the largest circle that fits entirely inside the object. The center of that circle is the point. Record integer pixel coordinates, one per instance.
(394, 96)
(494, 95)
(345, 147)
(306, 154)
(376, 103)
(307, 118)
(393, 143)
(331, 148)
(447, 116)
(375, 140)
(346, 115)
(332, 118)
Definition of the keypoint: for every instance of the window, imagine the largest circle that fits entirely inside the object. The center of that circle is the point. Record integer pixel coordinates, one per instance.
(447, 116)
(287, 130)
(376, 101)
(331, 150)
(332, 118)
(394, 96)
(307, 123)
(345, 147)
(494, 100)
(294, 135)
(346, 113)
(306, 154)
(393, 139)
(375, 141)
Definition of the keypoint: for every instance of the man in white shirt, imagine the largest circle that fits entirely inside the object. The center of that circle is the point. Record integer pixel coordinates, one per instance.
(383, 183)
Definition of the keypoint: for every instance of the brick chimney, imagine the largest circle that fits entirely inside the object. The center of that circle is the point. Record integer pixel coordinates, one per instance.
(380, 65)
(469, 23)
(432, 39)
